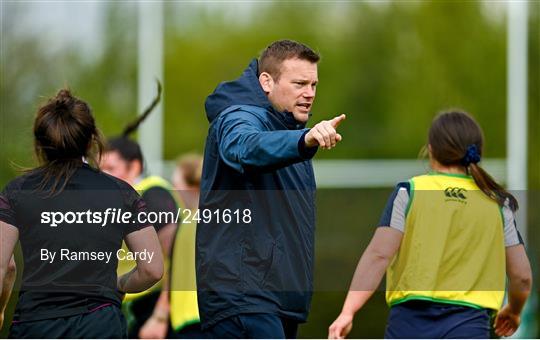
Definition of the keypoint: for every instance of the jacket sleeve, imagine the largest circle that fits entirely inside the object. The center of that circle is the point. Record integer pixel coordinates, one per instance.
(244, 142)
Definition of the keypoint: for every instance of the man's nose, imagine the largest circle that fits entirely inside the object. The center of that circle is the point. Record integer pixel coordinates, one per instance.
(309, 92)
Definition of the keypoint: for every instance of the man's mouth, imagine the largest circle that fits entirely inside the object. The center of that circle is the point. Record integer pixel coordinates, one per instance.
(304, 106)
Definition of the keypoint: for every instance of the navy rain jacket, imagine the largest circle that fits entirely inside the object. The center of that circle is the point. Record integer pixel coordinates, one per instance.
(255, 160)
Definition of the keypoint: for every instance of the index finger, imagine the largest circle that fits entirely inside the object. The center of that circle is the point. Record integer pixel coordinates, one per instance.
(337, 120)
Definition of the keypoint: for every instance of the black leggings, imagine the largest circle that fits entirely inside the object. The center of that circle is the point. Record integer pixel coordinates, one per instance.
(104, 323)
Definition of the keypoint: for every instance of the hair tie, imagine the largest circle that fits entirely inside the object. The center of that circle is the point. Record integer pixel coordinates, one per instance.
(471, 156)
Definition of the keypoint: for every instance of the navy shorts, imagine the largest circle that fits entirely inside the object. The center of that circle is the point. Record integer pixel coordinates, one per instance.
(254, 326)
(426, 319)
(103, 323)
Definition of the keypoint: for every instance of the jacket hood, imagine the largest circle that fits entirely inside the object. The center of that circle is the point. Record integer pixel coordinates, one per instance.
(245, 90)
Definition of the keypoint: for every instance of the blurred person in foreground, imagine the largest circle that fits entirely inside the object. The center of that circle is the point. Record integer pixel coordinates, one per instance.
(255, 252)
(181, 298)
(184, 310)
(123, 158)
(447, 241)
(60, 213)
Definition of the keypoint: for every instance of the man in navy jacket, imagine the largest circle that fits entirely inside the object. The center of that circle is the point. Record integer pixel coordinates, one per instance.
(255, 269)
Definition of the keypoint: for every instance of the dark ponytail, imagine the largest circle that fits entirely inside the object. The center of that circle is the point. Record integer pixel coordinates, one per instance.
(64, 133)
(457, 139)
(128, 149)
(133, 126)
(491, 188)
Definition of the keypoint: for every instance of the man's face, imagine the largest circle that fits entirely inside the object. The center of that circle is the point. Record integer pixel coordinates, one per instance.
(294, 91)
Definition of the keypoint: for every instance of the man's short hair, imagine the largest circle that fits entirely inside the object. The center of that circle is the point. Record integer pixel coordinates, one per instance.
(274, 55)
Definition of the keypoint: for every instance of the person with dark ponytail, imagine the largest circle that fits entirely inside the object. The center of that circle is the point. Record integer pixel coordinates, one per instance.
(147, 312)
(444, 239)
(62, 214)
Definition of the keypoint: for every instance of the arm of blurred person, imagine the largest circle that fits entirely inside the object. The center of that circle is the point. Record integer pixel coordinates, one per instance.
(518, 270)
(9, 235)
(367, 277)
(157, 325)
(7, 287)
(166, 237)
(146, 273)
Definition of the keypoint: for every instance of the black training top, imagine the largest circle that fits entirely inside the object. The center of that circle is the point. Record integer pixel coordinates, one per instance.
(69, 241)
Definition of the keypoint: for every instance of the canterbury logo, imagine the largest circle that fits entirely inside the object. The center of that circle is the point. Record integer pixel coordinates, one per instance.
(455, 192)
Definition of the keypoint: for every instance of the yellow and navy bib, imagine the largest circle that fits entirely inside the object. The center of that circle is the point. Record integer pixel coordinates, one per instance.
(453, 247)
(183, 303)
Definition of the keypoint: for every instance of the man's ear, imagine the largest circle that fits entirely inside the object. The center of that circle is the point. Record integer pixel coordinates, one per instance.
(266, 81)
